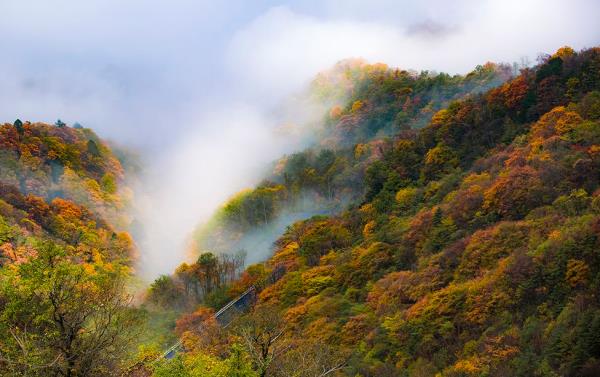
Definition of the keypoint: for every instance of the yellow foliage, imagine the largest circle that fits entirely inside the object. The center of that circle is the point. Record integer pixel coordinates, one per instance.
(368, 229)
(360, 150)
(476, 179)
(318, 278)
(323, 330)
(471, 366)
(357, 105)
(563, 52)
(288, 252)
(557, 121)
(577, 272)
(377, 68)
(328, 258)
(441, 117)
(317, 271)
(367, 210)
(295, 313)
(89, 268)
(406, 197)
(554, 235)
(567, 122)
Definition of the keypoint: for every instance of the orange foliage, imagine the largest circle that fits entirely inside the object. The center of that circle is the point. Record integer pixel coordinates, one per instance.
(66, 208)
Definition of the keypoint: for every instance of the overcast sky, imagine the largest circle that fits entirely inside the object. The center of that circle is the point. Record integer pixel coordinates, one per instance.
(194, 81)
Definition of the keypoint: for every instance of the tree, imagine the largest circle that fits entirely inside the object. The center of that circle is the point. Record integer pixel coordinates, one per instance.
(109, 183)
(198, 364)
(310, 358)
(60, 318)
(165, 292)
(375, 177)
(19, 126)
(438, 161)
(261, 333)
(322, 237)
(517, 192)
(208, 272)
(92, 148)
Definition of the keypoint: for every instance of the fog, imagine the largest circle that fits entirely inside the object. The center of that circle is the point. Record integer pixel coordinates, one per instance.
(197, 87)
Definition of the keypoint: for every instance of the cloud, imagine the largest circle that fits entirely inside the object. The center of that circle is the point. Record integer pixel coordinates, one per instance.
(189, 180)
(430, 29)
(281, 49)
(292, 46)
(196, 84)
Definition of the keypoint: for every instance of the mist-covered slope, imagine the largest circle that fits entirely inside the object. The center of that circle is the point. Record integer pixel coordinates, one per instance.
(364, 105)
(472, 251)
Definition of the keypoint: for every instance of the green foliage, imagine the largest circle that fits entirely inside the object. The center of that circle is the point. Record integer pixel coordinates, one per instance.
(166, 293)
(202, 365)
(70, 163)
(320, 238)
(473, 251)
(7, 232)
(61, 317)
(64, 309)
(109, 183)
(19, 126)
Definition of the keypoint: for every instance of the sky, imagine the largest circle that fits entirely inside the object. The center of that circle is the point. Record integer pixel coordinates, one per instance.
(193, 85)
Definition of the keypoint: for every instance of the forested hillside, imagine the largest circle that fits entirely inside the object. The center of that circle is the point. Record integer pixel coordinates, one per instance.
(64, 263)
(469, 246)
(368, 103)
(437, 226)
(52, 161)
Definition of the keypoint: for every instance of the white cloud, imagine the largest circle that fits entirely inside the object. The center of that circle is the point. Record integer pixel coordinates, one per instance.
(282, 49)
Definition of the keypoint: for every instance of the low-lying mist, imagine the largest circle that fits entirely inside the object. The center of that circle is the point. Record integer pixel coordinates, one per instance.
(189, 181)
(198, 86)
(257, 241)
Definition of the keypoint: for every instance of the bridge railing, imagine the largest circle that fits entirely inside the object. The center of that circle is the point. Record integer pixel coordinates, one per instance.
(227, 313)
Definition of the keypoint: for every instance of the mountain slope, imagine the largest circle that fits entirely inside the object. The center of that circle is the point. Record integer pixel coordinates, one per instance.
(59, 161)
(368, 103)
(473, 253)
(64, 264)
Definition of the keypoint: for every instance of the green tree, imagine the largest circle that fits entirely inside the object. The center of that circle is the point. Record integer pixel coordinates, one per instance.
(19, 126)
(60, 318)
(166, 293)
(92, 148)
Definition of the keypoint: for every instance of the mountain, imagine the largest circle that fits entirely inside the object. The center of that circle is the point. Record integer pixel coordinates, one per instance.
(366, 105)
(466, 247)
(65, 259)
(61, 183)
(59, 161)
(435, 225)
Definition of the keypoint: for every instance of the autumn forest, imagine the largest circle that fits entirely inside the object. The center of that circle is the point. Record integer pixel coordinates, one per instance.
(424, 224)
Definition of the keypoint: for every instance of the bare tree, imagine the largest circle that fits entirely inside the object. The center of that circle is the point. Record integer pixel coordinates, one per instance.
(261, 332)
(310, 358)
